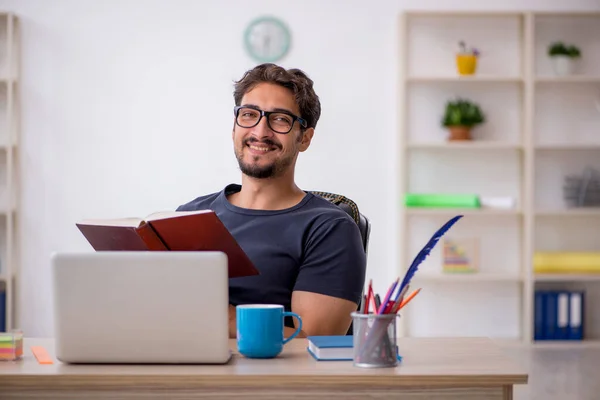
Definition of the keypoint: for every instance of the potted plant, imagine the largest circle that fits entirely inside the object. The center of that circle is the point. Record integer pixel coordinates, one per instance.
(466, 59)
(460, 117)
(563, 57)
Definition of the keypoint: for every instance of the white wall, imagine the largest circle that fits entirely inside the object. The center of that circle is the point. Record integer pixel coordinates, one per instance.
(127, 110)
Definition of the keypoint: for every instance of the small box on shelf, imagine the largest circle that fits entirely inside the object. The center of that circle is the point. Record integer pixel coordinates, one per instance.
(460, 255)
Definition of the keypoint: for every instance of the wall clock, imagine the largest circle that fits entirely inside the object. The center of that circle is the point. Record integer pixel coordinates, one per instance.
(267, 39)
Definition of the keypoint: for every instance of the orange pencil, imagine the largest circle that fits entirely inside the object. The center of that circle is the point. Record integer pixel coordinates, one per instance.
(409, 298)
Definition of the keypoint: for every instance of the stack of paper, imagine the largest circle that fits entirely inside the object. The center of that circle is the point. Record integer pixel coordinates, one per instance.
(11, 346)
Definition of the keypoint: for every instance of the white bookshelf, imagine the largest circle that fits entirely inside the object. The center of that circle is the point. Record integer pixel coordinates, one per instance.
(539, 128)
(9, 127)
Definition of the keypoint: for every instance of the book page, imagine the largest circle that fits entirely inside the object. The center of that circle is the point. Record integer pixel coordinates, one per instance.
(127, 222)
(172, 214)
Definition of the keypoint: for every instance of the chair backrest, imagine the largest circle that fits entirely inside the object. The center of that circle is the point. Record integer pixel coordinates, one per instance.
(364, 225)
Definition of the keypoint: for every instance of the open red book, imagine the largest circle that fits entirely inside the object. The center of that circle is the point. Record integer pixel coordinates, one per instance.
(172, 230)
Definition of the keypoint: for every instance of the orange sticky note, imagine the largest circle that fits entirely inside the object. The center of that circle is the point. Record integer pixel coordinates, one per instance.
(41, 354)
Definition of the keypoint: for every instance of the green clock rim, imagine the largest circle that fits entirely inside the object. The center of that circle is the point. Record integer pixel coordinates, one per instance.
(276, 21)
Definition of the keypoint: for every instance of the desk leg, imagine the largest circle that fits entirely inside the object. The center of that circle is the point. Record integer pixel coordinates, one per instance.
(507, 392)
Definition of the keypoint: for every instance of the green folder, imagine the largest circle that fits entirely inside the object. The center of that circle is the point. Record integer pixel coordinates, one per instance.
(442, 200)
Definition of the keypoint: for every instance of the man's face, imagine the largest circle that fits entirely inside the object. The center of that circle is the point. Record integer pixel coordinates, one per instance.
(261, 152)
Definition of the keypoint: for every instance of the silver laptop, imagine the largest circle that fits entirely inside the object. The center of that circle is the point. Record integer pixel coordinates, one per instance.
(141, 307)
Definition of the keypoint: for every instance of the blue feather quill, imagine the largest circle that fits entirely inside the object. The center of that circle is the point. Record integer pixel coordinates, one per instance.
(426, 250)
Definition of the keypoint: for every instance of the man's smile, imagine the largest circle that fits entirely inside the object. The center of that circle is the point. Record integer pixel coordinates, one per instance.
(260, 148)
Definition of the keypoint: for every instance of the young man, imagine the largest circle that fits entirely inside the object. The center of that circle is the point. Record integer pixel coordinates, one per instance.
(308, 251)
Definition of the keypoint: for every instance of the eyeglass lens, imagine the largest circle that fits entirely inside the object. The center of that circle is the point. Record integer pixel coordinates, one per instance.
(279, 122)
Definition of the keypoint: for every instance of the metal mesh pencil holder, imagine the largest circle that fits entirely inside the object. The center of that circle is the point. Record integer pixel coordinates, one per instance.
(374, 342)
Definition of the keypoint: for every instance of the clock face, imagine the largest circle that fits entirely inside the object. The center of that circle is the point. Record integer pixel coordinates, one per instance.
(267, 39)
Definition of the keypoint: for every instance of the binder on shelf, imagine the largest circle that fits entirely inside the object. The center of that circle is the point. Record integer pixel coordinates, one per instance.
(562, 319)
(538, 314)
(3, 311)
(558, 315)
(576, 319)
(551, 315)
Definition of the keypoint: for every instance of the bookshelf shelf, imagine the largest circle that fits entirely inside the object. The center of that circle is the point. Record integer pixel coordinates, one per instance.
(566, 344)
(480, 145)
(568, 147)
(582, 212)
(450, 212)
(568, 79)
(567, 277)
(539, 128)
(467, 277)
(458, 78)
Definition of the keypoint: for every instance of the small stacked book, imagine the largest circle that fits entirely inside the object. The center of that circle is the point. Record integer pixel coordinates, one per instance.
(331, 348)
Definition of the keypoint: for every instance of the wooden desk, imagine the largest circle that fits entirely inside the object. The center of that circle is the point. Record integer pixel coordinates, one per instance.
(454, 368)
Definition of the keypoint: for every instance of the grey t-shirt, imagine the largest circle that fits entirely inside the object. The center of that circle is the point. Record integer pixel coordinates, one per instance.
(314, 246)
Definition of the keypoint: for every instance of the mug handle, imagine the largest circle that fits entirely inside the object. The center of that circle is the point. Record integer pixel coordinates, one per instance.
(293, 335)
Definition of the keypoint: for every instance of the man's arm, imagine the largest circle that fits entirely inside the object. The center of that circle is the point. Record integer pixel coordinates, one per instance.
(331, 278)
(322, 314)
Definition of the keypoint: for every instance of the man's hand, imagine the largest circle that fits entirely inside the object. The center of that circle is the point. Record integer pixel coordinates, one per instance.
(321, 314)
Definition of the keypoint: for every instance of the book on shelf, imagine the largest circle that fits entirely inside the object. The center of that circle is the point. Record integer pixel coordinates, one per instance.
(460, 255)
(331, 348)
(564, 262)
(558, 315)
(169, 231)
(459, 200)
(442, 200)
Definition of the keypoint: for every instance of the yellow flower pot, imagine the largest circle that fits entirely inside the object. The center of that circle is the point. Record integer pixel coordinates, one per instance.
(466, 64)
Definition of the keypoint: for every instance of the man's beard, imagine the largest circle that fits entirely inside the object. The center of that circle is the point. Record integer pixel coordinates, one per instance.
(272, 170)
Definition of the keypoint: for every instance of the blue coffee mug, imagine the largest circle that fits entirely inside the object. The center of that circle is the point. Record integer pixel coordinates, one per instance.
(260, 329)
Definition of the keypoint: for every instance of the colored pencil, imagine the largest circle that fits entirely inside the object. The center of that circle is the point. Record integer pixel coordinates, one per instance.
(384, 303)
(409, 298)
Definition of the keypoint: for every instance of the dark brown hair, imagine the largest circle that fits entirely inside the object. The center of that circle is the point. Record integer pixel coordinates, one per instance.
(294, 79)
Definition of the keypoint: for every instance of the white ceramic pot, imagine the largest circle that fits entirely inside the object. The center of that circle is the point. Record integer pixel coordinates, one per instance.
(562, 65)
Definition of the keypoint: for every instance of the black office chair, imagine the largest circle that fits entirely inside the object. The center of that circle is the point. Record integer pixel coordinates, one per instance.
(364, 225)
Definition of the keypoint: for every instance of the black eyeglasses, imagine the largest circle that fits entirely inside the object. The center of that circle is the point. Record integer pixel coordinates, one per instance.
(278, 121)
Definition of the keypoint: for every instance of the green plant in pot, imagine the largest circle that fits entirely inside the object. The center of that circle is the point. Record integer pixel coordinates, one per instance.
(563, 57)
(460, 117)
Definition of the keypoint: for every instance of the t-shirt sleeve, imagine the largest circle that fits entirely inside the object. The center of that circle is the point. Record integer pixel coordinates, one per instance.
(334, 261)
